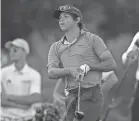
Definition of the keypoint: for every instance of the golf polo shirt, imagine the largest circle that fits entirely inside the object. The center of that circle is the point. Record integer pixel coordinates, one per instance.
(20, 83)
(87, 49)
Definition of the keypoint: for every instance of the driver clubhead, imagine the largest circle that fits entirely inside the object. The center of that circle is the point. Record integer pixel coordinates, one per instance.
(79, 115)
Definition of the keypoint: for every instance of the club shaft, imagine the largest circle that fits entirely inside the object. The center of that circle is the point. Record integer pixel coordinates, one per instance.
(79, 92)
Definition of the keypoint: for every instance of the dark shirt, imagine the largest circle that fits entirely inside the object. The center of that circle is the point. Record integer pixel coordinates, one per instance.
(87, 49)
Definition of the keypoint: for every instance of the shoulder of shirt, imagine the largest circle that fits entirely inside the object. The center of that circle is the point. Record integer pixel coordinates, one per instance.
(7, 68)
(33, 71)
(91, 35)
(55, 44)
(87, 34)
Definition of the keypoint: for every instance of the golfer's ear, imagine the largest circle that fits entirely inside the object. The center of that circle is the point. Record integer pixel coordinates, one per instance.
(78, 19)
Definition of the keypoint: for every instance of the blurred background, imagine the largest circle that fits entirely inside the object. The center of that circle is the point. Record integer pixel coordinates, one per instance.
(115, 21)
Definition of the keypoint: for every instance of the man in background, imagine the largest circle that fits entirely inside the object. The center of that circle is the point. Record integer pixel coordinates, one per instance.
(129, 57)
(21, 84)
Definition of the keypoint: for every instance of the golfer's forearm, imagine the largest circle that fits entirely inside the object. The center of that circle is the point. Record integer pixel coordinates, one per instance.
(104, 66)
(57, 73)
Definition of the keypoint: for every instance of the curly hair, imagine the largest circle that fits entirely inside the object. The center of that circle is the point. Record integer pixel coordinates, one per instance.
(47, 112)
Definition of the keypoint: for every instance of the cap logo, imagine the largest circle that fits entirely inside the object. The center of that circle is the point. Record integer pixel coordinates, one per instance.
(64, 8)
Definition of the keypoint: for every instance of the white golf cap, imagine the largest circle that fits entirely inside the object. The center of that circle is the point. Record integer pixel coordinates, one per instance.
(18, 43)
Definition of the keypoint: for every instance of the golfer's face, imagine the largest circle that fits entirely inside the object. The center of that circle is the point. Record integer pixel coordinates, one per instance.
(16, 53)
(66, 21)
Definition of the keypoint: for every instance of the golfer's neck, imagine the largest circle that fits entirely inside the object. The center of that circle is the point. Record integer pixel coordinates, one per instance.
(72, 34)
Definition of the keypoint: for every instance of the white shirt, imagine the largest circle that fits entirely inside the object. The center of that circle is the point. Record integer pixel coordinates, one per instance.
(106, 74)
(110, 79)
(22, 83)
(131, 48)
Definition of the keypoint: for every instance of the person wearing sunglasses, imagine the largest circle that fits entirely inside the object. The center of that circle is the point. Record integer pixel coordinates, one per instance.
(21, 84)
(79, 51)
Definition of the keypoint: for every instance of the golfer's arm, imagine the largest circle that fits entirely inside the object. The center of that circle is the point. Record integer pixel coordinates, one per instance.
(57, 73)
(107, 63)
(54, 70)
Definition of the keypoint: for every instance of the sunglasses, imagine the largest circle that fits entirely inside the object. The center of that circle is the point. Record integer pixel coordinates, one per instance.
(14, 49)
(65, 8)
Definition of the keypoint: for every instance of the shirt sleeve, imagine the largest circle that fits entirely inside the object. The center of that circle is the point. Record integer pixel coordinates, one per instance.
(53, 58)
(98, 45)
(132, 47)
(36, 84)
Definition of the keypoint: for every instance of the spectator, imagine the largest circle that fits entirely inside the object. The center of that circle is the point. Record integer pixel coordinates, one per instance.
(129, 57)
(21, 84)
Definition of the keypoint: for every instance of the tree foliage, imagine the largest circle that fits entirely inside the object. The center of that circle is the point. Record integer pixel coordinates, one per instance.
(20, 17)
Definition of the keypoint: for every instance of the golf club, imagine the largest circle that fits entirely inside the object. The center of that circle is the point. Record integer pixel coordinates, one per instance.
(79, 114)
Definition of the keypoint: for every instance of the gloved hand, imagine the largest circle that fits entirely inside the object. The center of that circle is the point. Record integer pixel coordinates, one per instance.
(85, 68)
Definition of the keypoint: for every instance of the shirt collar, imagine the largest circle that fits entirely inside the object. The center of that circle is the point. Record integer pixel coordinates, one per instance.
(23, 70)
(63, 39)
